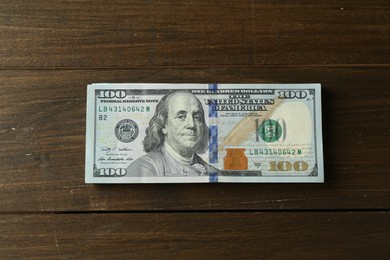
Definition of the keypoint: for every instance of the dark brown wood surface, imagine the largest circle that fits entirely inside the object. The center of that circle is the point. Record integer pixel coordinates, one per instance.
(50, 51)
(197, 235)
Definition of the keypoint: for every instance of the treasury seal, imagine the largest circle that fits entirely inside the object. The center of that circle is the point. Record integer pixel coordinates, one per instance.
(126, 130)
(270, 130)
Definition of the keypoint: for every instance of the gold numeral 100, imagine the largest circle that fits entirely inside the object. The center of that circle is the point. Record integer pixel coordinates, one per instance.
(286, 166)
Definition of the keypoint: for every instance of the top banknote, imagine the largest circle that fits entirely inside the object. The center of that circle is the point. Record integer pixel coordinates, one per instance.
(180, 133)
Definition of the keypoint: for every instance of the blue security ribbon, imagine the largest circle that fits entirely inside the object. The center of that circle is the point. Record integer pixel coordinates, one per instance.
(213, 135)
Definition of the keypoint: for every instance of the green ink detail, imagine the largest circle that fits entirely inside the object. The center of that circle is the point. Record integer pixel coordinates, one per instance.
(270, 131)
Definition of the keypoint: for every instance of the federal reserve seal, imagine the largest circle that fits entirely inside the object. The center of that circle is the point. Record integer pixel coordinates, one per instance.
(270, 130)
(126, 130)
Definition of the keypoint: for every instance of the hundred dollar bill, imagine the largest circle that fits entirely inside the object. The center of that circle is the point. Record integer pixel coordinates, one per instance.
(180, 133)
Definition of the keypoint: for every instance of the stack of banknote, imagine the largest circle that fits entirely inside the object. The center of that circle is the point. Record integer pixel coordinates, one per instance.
(181, 133)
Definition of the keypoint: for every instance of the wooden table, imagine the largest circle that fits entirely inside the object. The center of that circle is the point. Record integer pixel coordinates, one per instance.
(50, 51)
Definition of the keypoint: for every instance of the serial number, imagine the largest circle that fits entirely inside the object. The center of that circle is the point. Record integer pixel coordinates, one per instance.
(274, 152)
(120, 109)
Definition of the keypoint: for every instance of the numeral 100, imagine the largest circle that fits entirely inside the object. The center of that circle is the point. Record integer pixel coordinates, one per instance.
(286, 166)
(112, 94)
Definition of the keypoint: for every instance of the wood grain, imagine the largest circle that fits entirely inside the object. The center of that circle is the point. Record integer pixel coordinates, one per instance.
(192, 33)
(202, 235)
(50, 51)
(43, 133)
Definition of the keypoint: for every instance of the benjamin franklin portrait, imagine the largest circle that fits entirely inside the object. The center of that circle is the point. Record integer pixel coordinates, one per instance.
(176, 135)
